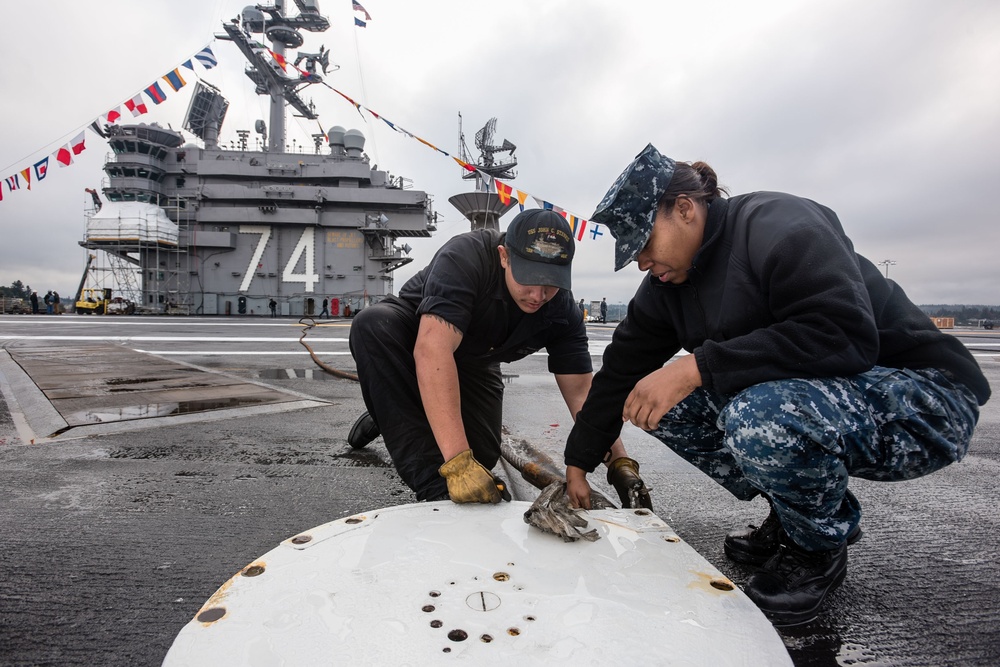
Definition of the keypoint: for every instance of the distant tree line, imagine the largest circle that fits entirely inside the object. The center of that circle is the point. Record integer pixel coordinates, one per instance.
(964, 314)
(17, 290)
(616, 311)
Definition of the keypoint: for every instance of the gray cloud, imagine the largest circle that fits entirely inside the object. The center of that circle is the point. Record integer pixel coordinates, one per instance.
(886, 112)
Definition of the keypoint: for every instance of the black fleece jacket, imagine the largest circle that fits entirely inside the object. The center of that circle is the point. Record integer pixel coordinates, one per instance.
(776, 291)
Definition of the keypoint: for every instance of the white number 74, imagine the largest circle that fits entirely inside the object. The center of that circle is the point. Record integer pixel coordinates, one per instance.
(306, 246)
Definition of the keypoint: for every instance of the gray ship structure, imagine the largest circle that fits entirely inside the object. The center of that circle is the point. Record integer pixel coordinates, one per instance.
(201, 229)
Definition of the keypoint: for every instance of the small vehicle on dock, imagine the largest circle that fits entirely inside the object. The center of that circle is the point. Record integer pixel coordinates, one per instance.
(93, 301)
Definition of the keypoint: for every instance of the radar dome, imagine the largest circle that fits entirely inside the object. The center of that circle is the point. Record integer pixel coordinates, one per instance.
(253, 19)
(336, 135)
(354, 142)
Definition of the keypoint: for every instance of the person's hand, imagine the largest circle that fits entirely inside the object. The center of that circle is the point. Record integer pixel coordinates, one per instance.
(623, 474)
(577, 487)
(654, 395)
(470, 482)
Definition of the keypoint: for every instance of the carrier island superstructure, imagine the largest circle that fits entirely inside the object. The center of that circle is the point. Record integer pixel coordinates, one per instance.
(203, 229)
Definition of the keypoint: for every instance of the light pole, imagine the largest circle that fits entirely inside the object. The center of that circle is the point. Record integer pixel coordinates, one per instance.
(887, 263)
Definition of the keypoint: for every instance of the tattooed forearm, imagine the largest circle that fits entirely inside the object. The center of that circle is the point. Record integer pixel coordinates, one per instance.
(438, 318)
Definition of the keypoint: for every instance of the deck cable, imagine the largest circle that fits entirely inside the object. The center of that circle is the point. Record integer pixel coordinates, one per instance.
(329, 369)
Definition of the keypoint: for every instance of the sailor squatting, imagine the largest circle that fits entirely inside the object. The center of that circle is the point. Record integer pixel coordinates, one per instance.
(429, 360)
(806, 367)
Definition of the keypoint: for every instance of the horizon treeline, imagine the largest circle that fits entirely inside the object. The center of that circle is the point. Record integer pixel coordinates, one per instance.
(963, 314)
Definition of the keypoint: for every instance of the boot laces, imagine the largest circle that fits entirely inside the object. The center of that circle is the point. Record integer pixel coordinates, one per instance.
(793, 562)
(771, 523)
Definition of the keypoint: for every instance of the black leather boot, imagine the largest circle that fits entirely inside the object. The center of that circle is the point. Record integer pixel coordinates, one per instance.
(363, 431)
(754, 546)
(792, 585)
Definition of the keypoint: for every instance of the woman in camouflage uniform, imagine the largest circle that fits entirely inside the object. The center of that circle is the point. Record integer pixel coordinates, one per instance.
(806, 367)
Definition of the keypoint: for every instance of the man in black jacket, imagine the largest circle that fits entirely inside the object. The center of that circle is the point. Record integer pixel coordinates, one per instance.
(429, 359)
(805, 366)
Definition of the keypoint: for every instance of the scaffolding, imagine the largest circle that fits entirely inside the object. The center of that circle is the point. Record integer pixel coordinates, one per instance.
(138, 255)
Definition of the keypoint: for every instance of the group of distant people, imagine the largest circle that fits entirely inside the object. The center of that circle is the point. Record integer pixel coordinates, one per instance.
(51, 301)
(604, 310)
(273, 307)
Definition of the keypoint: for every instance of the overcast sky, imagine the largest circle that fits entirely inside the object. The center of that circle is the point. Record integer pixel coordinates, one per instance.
(886, 111)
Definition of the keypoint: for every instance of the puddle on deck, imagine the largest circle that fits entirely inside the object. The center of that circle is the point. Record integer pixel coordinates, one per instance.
(320, 375)
(151, 410)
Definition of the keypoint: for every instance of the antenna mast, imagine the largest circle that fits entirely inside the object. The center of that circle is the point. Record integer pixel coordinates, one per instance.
(270, 75)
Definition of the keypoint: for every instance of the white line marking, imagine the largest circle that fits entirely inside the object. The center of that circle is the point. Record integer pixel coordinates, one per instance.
(236, 354)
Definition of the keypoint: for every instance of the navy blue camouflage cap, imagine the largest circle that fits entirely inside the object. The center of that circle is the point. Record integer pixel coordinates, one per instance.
(629, 207)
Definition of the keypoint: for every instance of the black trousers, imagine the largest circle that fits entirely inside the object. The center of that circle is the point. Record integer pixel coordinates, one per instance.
(382, 340)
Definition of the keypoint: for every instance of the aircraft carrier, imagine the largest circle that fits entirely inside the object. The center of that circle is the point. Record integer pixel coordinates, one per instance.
(201, 229)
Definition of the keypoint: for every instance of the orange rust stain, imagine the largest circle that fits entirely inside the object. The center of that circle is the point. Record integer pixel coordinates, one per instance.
(262, 564)
(703, 582)
(218, 598)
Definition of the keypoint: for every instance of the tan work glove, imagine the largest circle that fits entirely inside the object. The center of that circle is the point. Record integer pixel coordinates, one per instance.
(469, 482)
(623, 474)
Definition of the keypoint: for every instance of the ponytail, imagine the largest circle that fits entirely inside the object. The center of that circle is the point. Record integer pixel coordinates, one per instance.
(696, 181)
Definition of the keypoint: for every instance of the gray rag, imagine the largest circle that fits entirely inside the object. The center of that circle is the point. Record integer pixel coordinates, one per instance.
(552, 513)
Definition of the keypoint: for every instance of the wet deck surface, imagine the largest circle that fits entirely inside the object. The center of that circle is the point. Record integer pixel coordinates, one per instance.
(115, 533)
(101, 383)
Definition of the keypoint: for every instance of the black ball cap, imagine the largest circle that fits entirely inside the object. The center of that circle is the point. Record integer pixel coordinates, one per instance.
(541, 247)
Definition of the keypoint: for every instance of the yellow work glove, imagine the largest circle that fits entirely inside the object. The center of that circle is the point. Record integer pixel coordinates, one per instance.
(623, 474)
(469, 482)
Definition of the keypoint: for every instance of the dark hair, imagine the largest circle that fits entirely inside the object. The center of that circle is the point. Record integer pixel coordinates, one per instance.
(695, 180)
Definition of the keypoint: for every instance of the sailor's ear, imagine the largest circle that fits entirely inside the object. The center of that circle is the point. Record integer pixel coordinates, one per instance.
(503, 256)
(684, 208)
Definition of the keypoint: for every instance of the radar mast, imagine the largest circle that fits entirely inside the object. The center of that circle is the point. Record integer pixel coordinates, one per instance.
(270, 75)
(484, 208)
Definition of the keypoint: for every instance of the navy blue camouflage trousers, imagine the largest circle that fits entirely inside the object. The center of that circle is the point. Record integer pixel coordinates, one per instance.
(799, 441)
